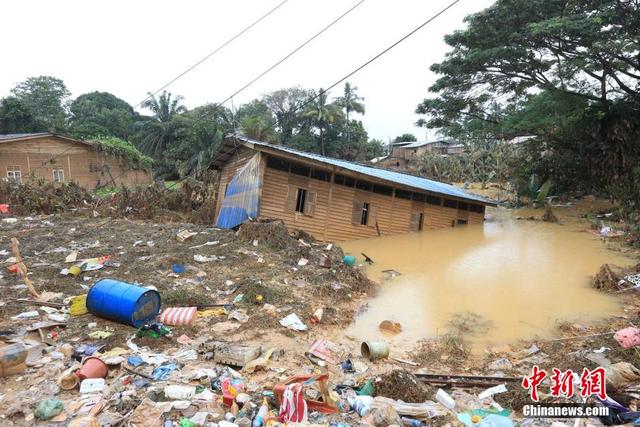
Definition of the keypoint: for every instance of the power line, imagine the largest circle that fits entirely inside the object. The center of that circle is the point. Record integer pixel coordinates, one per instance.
(276, 64)
(216, 50)
(323, 91)
(259, 76)
(293, 52)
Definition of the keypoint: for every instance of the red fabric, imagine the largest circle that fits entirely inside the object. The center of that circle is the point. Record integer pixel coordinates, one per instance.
(293, 408)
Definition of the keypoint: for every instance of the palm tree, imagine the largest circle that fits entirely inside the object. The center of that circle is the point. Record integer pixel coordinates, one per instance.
(322, 114)
(159, 133)
(255, 128)
(350, 101)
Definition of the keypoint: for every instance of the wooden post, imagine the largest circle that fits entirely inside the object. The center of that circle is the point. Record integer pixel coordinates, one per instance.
(22, 268)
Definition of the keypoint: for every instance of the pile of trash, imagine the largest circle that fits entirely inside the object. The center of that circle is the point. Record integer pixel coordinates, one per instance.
(174, 324)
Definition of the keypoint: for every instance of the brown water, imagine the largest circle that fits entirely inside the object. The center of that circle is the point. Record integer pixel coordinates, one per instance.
(512, 279)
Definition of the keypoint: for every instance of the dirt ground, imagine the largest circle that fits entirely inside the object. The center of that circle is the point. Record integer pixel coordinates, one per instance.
(260, 273)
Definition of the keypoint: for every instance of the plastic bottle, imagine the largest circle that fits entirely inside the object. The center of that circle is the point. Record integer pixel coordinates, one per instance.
(445, 399)
(411, 422)
(258, 421)
(360, 404)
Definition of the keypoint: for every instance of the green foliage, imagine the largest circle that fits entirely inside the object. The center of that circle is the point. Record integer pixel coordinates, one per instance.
(123, 150)
(483, 161)
(101, 113)
(405, 137)
(46, 98)
(566, 72)
(17, 117)
(160, 132)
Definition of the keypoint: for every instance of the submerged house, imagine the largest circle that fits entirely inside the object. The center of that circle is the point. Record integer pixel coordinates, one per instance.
(332, 199)
(56, 158)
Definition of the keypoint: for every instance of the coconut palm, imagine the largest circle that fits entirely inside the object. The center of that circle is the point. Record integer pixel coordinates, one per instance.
(350, 101)
(160, 132)
(322, 114)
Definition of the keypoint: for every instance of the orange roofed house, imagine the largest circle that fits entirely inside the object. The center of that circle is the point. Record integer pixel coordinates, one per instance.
(57, 158)
(333, 199)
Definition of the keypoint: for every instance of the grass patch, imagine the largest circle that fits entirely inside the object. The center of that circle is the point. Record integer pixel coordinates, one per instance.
(184, 297)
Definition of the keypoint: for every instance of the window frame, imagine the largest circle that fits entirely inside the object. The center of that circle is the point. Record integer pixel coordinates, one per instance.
(14, 173)
(59, 171)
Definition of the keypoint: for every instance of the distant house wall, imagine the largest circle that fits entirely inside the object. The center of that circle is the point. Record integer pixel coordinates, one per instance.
(334, 214)
(81, 163)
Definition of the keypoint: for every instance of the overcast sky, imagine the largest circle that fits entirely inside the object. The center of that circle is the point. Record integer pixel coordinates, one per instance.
(131, 47)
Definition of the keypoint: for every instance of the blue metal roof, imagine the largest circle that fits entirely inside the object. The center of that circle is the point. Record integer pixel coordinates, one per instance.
(412, 181)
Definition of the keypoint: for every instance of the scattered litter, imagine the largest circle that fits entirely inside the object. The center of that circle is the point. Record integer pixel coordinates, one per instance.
(292, 321)
(185, 235)
(303, 261)
(175, 316)
(501, 388)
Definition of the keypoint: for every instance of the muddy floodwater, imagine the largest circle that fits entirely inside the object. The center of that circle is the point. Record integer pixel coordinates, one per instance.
(504, 280)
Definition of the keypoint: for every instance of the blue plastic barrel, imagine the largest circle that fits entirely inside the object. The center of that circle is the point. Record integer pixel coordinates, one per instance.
(123, 302)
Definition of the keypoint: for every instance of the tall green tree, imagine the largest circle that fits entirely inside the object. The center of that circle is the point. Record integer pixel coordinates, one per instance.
(322, 113)
(159, 133)
(17, 117)
(286, 106)
(47, 98)
(553, 68)
(101, 113)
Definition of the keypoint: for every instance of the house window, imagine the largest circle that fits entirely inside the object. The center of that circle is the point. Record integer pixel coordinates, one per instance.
(433, 200)
(417, 221)
(448, 203)
(344, 180)
(363, 213)
(58, 175)
(301, 200)
(278, 164)
(402, 194)
(14, 174)
(321, 175)
(364, 216)
(462, 222)
(299, 169)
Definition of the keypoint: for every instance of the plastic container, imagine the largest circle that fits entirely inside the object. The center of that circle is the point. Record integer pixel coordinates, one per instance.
(123, 302)
(12, 359)
(361, 404)
(374, 350)
(445, 399)
(349, 260)
(92, 367)
(92, 385)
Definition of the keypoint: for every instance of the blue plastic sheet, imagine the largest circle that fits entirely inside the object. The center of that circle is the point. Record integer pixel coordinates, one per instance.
(242, 196)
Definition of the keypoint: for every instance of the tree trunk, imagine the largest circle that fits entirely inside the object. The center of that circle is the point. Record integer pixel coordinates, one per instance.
(322, 140)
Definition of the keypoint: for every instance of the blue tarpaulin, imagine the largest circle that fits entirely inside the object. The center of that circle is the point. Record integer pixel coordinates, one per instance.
(241, 197)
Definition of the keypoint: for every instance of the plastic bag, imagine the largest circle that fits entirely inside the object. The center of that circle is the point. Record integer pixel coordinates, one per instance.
(47, 409)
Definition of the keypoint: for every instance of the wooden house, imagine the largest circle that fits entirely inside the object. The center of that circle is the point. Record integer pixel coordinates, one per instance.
(404, 156)
(57, 158)
(333, 199)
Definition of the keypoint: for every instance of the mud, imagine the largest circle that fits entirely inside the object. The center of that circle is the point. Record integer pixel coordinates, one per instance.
(403, 385)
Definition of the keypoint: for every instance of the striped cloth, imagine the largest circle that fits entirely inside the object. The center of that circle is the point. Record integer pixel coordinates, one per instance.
(176, 316)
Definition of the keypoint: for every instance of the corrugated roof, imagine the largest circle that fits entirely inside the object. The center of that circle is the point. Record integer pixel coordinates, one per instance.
(412, 181)
(21, 135)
